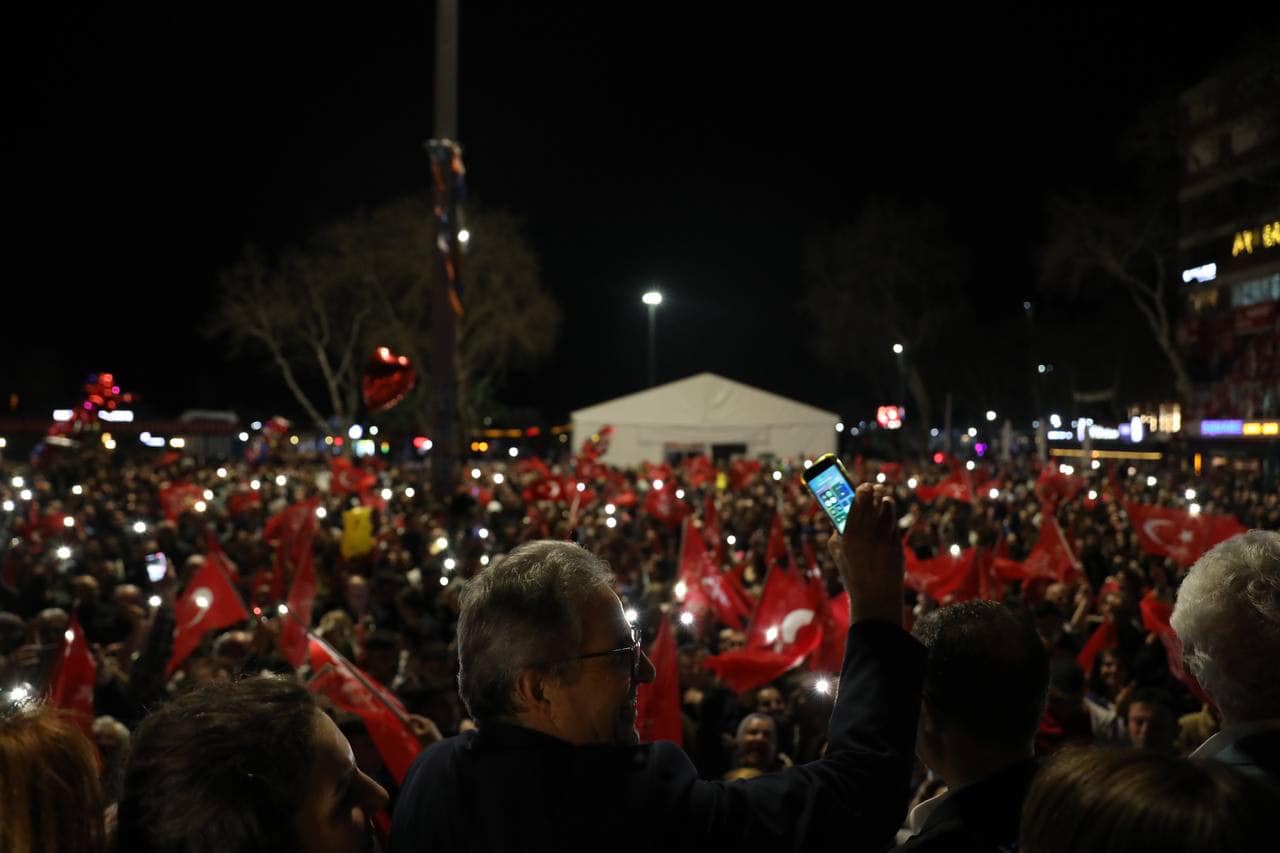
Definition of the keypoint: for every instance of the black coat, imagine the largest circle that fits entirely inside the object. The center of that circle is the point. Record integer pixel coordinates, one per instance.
(509, 788)
(979, 818)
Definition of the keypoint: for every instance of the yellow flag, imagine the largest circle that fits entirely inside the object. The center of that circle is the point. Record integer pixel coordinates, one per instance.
(357, 532)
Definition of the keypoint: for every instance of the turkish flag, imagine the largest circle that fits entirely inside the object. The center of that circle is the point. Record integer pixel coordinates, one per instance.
(663, 505)
(179, 498)
(944, 575)
(742, 472)
(698, 471)
(1105, 636)
(1053, 488)
(708, 588)
(955, 486)
(355, 691)
(785, 629)
(658, 702)
(209, 602)
(1051, 557)
(71, 687)
(243, 500)
(835, 626)
(302, 595)
(1174, 533)
(348, 478)
(293, 529)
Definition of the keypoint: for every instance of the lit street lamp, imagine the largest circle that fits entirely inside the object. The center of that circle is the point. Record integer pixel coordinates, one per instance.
(653, 299)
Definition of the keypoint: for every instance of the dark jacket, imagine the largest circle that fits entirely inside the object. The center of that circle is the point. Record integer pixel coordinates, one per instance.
(509, 788)
(979, 818)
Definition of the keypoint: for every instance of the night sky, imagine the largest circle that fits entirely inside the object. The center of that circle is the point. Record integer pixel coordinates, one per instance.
(649, 148)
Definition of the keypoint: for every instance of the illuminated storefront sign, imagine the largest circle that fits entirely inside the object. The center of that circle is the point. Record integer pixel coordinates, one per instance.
(1255, 239)
(1232, 428)
(1208, 272)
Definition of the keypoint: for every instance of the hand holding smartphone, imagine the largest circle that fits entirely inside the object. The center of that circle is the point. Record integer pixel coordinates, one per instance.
(827, 479)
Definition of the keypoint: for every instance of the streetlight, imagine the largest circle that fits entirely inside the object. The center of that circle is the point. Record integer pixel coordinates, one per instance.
(653, 299)
(897, 349)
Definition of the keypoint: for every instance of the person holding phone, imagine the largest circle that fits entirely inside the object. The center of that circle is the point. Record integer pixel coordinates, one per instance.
(549, 667)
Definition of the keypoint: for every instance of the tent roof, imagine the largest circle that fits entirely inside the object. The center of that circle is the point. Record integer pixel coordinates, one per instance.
(704, 399)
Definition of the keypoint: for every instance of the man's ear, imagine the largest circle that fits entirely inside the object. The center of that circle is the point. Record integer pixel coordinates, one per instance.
(530, 691)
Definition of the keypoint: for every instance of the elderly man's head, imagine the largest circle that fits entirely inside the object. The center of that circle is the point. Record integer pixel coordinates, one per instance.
(543, 642)
(1228, 619)
(757, 741)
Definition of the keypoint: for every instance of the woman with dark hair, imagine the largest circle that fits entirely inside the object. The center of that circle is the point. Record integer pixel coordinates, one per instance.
(50, 799)
(250, 766)
(1100, 800)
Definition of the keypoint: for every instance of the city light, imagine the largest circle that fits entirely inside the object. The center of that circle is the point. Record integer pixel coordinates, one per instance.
(679, 492)
(498, 479)
(839, 426)
(912, 483)
(373, 430)
(686, 618)
(464, 236)
(77, 490)
(475, 473)
(8, 506)
(68, 521)
(244, 436)
(1093, 494)
(139, 527)
(64, 553)
(281, 480)
(1194, 509)
(731, 539)
(973, 432)
(991, 416)
(897, 349)
(200, 506)
(970, 465)
(483, 533)
(222, 473)
(321, 512)
(18, 482)
(386, 494)
(484, 560)
(681, 590)
(993, 494)
(356, 432)
(880, 478)
(409, 492)
(955, 550)
(255, 484)
(1151, 482)
(1190, 494)
(25, 494)
(444, 581)
(611, 522)
(657, 484)
(450, 564)
(777, 475)
(653, 297)
(154, 601)
(610, 509)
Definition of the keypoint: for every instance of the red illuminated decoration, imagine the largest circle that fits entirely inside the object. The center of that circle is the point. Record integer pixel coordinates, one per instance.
(891, 417)
(388, 378)
(101, 393)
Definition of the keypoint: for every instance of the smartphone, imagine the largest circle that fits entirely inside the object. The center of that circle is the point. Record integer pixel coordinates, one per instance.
(831, 486)
(157, 566)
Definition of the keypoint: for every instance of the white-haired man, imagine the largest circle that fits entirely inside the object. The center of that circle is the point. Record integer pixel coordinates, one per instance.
(1228, 619)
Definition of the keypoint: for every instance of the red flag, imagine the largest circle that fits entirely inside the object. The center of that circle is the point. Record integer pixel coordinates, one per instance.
(302, 595)
(1053, 488)
(835, 626)
(658, 703)
(785, 629)
(944, 575)
(1178, 534)
(955, 486)
(706, 587)
(347, 478)
(1051, 557)
(179, 498)
(293, 529)
(209, 602)
(698, 471)
(1104, 636)
(663, 505)
(243, 500)
(533, 465)
(742, 472)
(714, 533)
(355, 691)
(73, 677)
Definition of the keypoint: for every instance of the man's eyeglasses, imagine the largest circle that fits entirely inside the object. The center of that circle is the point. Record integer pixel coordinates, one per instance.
(633, 650)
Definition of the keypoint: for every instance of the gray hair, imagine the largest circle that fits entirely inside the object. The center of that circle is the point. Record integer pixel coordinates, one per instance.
(773, 724)
(521, 614)
(1228, 619)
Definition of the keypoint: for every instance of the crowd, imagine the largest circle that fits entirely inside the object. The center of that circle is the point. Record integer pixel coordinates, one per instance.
(1041, 599)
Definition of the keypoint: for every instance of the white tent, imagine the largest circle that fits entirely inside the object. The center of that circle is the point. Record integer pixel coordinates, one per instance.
(707, 414)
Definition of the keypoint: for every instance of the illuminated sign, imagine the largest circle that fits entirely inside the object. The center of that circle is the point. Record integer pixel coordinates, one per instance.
(1264, 237)
(1248, 429)
(891, 417)
(1222, 427)
(1061, 435)
(1208, 272)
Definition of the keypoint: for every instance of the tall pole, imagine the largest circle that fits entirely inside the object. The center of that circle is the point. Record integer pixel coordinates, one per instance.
(653, 353)
(444, 332)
